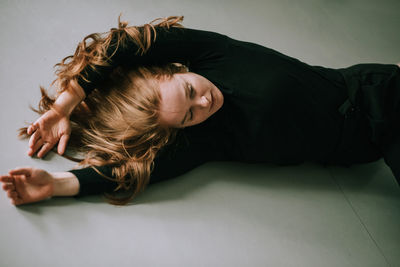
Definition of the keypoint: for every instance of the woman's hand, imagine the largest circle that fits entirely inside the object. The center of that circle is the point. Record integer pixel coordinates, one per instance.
(50, 128)
(27, 185)
(54, 125)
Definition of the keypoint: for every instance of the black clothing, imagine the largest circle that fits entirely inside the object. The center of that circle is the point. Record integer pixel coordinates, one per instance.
(276, 108)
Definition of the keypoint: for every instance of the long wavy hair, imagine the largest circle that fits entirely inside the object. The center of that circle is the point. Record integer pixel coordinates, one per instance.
(118, 123)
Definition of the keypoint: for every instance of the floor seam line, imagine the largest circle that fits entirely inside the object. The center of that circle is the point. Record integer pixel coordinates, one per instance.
(358, 216)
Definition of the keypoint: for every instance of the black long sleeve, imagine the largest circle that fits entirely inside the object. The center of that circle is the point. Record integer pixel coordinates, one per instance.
(178, 45)
(276, 108)
(183, 155)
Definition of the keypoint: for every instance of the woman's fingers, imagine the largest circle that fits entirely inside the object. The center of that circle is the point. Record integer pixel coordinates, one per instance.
(6, 179)
(21, 171)
(62, 144)
(45, 148)
(30, 152)
(16, 201)
(36, 147)
(34, 138)
(32, 128)
(34, 143)
(12, 194)
(8, 186)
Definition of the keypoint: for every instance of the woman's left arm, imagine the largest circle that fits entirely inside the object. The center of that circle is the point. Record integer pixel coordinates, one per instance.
(173, 161)
(28, 185)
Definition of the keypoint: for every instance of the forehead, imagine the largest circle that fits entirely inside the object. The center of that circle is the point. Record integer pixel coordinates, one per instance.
(172, 106)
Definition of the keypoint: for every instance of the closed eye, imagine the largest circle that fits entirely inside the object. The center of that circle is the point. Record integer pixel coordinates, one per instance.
(192, 92)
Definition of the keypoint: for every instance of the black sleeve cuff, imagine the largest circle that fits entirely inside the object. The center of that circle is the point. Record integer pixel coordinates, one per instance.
(92, 183)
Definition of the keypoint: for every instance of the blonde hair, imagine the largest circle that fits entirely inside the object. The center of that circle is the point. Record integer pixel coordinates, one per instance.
(118, 123)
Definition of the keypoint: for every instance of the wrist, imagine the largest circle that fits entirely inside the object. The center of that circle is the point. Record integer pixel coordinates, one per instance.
(77, 90)
(65, 184)
(66, 103)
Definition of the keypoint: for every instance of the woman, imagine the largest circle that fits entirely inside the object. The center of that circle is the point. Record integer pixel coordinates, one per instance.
(153, 102)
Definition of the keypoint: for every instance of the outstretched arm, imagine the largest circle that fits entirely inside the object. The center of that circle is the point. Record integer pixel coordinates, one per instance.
(27, 185)
(174, 160)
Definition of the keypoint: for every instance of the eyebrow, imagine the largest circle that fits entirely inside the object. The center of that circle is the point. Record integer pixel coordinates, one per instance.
(187, 92)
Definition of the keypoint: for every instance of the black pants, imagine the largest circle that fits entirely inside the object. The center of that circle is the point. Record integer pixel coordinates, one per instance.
(371, 128)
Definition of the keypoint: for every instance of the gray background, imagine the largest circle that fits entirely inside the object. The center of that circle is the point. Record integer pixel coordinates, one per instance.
(220, 214)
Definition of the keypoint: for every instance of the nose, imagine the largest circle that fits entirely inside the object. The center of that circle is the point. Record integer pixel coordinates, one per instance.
(204, 102)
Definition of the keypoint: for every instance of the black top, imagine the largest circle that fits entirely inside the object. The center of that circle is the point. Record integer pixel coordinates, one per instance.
(276, 108)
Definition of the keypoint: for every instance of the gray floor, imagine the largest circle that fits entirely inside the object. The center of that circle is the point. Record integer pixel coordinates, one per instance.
(220, 214)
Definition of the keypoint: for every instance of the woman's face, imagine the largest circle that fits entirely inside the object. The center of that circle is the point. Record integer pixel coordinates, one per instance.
(188, 99)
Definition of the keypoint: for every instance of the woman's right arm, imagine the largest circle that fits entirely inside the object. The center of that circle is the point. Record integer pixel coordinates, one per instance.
(180, 45)
(189, 47)
(68, 100)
